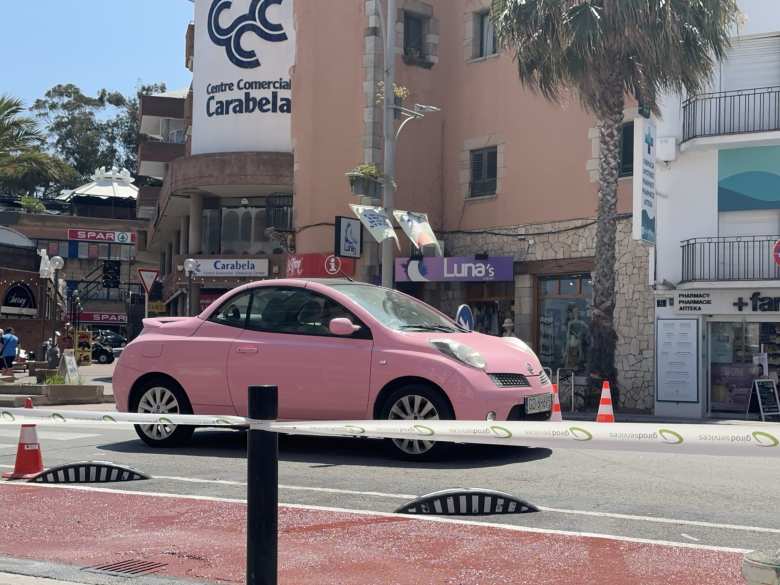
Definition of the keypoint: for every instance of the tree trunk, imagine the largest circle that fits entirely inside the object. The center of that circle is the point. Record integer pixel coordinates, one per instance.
(601, 358)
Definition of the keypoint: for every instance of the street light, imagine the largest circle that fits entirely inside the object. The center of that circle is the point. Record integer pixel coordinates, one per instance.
(390, 109)
(56, 263)
(189, 267)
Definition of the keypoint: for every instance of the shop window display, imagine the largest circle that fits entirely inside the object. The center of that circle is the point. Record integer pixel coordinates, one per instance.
(564, 321)
(739, 353)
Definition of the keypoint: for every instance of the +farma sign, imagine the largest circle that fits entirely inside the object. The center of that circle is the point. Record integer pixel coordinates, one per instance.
(242, 90)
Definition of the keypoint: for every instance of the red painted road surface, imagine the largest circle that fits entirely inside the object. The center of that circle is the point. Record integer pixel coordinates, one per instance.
(204, 540)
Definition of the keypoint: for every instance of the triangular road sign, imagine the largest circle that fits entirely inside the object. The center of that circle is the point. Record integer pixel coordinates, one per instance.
(148, 277)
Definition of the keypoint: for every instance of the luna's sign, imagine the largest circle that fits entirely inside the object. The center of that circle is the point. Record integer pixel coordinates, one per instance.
(455, 269)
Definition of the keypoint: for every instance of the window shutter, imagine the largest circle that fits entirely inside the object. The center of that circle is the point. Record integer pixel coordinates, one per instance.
(492, 164)
(477, 166)
(751, 63)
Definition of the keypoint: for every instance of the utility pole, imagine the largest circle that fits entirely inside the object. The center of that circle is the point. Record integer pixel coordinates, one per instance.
(388, 191)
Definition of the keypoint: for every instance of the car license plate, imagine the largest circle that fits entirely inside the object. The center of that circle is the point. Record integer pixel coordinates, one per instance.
(538, 403)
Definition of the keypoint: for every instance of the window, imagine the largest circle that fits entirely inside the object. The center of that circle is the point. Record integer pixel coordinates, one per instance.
(564, 321)
(297, 311)
(234, 311)
(246, 227)
(484, 170)
(627, 150)
(414, 35)
(485, 41)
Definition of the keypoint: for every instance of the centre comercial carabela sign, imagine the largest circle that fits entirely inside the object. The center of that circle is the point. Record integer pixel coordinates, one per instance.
(244, 52)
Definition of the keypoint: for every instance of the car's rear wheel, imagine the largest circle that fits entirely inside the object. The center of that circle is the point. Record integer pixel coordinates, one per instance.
(162, 397)
(416, 402)
(102, 358)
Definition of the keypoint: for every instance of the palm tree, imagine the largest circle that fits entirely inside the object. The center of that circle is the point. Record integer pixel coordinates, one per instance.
(603, 51)
(21, 147)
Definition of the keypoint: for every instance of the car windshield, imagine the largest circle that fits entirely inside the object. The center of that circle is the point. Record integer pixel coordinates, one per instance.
(397, 310)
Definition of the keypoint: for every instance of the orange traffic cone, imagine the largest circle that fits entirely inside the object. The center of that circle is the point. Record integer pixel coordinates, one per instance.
(556, 407)
(605, 414)
(29, 461)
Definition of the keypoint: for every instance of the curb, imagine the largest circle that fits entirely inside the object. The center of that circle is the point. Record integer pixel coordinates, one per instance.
(72, 574)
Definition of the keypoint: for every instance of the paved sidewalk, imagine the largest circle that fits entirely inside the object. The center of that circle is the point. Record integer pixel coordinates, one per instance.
(204, 540)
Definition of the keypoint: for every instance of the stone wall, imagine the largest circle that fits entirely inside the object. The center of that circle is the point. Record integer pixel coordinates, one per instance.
(567, 240)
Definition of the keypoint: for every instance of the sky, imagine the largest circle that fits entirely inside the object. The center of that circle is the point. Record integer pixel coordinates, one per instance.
(112, 44)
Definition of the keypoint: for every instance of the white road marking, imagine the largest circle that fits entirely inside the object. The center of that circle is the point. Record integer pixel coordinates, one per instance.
(6, 446)
(48, 435)
(434, 519)
(689, 537)
(614, 515)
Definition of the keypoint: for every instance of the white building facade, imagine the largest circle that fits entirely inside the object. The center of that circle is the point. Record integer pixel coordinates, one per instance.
(718, 220)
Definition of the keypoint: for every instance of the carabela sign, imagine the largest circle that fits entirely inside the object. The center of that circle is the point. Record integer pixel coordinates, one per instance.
(232, 267)
(108, 237)
(455, 269)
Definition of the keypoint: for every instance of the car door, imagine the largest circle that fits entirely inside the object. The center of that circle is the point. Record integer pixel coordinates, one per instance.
(287, 343)
(200, 362)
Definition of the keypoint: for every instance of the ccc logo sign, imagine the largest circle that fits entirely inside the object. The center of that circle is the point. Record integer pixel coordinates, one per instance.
(255, 22)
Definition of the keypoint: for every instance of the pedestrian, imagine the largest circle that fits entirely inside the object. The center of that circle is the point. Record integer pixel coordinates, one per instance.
(10, 344)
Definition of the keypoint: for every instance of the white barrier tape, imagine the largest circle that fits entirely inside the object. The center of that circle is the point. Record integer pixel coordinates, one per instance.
(82, 418)
(748, 440)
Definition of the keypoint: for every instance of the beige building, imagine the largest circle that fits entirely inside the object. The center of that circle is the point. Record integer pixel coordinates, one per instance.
(503, 175)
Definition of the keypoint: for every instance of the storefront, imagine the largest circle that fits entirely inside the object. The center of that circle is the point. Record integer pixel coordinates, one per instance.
(486, 284)
(712, 345)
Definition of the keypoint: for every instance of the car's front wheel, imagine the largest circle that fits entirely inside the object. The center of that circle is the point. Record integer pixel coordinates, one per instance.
(162, 397)
(420, 403)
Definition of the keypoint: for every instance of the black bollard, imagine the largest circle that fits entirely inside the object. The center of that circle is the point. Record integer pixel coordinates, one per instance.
(262, 491)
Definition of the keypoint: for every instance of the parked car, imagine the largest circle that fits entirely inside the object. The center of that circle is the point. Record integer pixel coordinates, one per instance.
(110, 338)
(102, 354)
(337, 350)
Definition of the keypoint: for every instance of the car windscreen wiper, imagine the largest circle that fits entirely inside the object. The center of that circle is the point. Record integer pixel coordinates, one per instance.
(424, 327)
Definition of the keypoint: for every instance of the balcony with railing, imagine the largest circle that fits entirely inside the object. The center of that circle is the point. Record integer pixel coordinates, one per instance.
(736, 258)
(731, 112)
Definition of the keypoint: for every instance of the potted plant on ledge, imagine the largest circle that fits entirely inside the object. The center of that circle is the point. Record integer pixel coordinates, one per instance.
(365, 180)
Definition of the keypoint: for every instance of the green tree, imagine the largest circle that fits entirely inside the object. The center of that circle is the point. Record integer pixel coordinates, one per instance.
(92, 132)
(80, 128)
(22, 156)
(602, 51)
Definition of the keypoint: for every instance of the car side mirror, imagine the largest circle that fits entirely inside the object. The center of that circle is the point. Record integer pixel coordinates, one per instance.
(342, 327)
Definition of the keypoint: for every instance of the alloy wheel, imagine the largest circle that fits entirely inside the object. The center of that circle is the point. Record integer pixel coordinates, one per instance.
(158, 400)
(413, 407)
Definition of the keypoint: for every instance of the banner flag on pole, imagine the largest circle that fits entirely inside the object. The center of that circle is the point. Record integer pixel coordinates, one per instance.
(418, 229)
(377, 222)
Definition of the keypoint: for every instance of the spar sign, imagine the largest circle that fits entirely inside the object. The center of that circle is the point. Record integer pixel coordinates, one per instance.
(107, 237)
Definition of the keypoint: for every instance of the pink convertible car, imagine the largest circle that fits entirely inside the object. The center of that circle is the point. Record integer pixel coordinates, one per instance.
(337, 350)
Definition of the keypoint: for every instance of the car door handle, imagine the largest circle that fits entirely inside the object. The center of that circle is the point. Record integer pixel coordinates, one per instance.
(247, 349)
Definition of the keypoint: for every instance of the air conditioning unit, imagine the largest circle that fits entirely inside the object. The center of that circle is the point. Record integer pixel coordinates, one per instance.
(666, 149)
(431, 250)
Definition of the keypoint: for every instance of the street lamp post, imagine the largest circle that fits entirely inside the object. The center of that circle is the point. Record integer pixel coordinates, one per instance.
(391, 135)
(189, 268)
(56, 264)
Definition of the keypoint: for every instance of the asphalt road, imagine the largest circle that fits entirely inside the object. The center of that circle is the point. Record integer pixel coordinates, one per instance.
(702, 500)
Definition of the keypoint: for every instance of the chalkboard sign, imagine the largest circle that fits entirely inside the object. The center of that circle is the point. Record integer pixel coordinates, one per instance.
(768, 401)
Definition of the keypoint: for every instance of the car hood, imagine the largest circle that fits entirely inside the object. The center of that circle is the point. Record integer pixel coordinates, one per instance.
(499, 354)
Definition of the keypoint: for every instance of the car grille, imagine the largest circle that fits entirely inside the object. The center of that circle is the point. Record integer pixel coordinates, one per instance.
(510, 380)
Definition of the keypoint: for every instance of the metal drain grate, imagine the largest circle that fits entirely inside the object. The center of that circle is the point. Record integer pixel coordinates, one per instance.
(467, 502)
(88, 472)
(128, 568)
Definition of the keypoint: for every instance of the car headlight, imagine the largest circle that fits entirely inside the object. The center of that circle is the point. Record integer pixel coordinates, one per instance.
(462, 353)
(518, 343)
